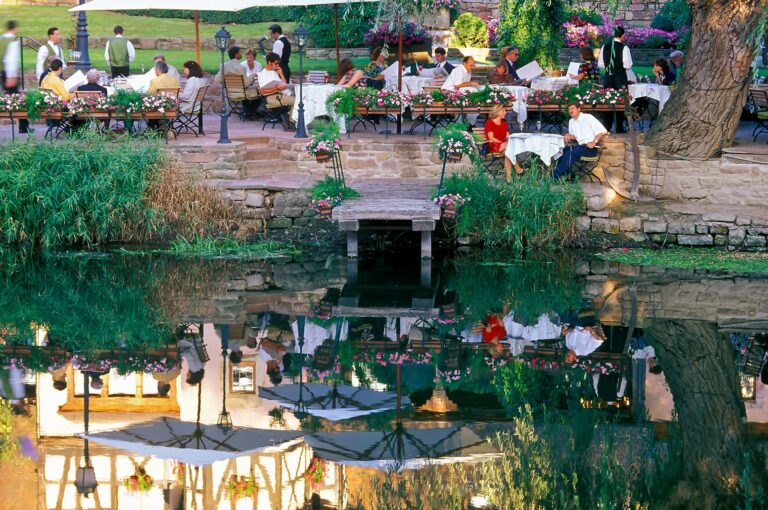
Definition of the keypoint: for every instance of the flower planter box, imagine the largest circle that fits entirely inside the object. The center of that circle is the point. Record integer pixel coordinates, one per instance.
(323, 156)
(362, 110)
(451, 212)
(14, 115)
(453, 157)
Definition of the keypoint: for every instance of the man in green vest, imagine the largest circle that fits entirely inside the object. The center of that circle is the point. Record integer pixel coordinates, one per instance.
(119, 53)
(50, 50)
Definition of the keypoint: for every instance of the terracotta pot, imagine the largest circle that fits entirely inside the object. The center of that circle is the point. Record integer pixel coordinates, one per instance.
(450, 212)
(323, 156)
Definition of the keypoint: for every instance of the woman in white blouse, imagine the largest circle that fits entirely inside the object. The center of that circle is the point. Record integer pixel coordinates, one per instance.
(195, 81)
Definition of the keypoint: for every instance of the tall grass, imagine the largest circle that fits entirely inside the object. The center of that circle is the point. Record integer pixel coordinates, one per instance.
(532, 212)
(78, 191)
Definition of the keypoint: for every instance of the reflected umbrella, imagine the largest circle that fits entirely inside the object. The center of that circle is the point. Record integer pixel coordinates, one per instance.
(193, 443)
(402, 448)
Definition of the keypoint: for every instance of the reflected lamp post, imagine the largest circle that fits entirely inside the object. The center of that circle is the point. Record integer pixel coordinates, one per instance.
(300, 409)
(301, 34)
(85, 476)
(222, 43)
(225, 418)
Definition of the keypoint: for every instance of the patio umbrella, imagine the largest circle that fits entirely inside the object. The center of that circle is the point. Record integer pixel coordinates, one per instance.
(402, 448)
(332, 402)
(192, 443)
(191, 5)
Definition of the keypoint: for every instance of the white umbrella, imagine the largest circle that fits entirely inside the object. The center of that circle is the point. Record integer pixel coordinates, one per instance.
(193, 443)
(401, 448)
(191, 5)
(332, 402)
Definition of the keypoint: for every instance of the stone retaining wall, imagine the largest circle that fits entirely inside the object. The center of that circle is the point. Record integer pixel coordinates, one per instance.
(206, 161)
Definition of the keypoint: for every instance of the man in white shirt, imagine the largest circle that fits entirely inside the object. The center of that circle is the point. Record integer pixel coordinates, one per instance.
(172, 71)
(580, 342)
(583, 129)
(461, 76)
(273, 85)
(119, 53)
(282, 48)
(52, 48)
(250, 64)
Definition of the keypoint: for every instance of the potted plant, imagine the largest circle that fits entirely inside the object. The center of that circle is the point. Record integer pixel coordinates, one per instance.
(324, 142)
(416, 38)
(454, 140)
(450, 204)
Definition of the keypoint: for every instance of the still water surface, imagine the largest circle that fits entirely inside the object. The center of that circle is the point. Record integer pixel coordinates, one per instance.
(326, 383)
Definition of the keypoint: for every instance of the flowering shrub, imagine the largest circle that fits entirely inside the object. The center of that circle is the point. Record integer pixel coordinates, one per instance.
(493, 24)
(159, 103)
(242, 487)
(392, 99)
(594, 366)
(435, 5)
(455, 139)
(574, 94)
(13, 103)
(387, 33)
(578, 33)
(316, 473)
(89, 104)
(582, 34)
(489, 95)
(450, 199)
(384, 358)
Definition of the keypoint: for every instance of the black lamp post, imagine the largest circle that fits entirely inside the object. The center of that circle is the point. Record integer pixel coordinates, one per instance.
(300, 408)
(222, 42)
(225, 419)
(85, 476)
(301, 34)
(81, 41)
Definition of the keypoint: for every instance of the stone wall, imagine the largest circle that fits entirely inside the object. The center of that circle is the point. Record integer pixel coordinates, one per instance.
(209, 160)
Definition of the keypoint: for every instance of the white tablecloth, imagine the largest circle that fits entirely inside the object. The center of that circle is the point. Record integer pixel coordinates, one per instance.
(660, 93)
(411, 84)
(314, 103)
(549, 84)
(547, 146)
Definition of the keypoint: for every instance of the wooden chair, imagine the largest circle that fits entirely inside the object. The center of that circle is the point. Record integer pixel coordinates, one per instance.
(586, 165)
(234, 86)
(191, 121)
(493, 162)
(759, 98)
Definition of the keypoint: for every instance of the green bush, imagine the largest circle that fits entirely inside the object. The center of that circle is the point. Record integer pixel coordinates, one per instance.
(250, 15)
(533, 212)
(534, 26)
(77, 191)
(674, 15)
(352, 25)
(583, 13)
(470, 31)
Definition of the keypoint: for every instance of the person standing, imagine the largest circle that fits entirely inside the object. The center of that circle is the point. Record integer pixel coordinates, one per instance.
(10, 50)
(119, 53)
(616, 59)
(282, 48)
(51, 49)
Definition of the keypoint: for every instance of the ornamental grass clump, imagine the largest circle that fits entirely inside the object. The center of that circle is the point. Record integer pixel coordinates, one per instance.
(78, 191)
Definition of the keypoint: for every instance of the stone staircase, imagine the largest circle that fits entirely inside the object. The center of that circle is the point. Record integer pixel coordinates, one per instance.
(264, 158)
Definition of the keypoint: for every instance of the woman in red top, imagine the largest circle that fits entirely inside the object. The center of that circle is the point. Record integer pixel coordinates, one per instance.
(497, 132)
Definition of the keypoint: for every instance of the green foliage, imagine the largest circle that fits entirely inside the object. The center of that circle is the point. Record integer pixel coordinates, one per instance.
(584, 13)
(711, 259)
(8, 445)
(455, 137)
(325, 131)
(355, 22)
(673, 15)
(326, 187)
(487, 281)
(533, 212)
(534, 26)
(77, 191)
(228, 247)
(470, 31)
(246, 16)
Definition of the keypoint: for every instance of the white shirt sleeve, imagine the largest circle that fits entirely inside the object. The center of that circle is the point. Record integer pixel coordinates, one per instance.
(600, 61)
(11, 59)
(131, 52)
(596, 126)
(42, 55)
(106, 53)
(278, 47)
(627, 56)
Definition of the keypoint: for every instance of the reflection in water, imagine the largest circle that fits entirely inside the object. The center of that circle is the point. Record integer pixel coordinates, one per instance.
(218, 384)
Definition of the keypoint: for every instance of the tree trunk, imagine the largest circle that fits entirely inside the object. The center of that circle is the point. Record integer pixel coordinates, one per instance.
(703, 113)
(700, 369)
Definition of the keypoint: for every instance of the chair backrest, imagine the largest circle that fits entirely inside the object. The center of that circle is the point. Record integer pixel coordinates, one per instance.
(171, 91)
(197, 103)
(317, 77)
(88, 93)
(759, 97)
(235, 86)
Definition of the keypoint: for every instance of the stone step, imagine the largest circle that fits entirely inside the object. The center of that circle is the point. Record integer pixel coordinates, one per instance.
(254, 141)
(268, 167)
(259, 154)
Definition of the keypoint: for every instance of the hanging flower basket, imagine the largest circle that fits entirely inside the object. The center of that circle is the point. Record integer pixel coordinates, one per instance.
(323, 156)
(324, 211)
(451, 211)
(242, 487)
(450, 204)
(316, 473)
(453, 157)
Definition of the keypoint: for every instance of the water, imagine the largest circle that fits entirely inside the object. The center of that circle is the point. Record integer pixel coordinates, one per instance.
(473, 430)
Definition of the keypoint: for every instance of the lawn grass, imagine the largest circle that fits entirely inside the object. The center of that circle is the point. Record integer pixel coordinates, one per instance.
(34, 21)
(711, 259)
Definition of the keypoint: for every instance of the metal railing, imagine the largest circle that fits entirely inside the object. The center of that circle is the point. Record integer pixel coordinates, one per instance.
(29, 42)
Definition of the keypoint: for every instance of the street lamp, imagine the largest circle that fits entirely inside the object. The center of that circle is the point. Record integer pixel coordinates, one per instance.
(81, 38)
(222, 42)
(85, 476)
(301, 34)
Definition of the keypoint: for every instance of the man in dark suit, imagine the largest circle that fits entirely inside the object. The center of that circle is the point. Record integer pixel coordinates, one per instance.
(441, 62)
(282, 48)
(511, 60)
